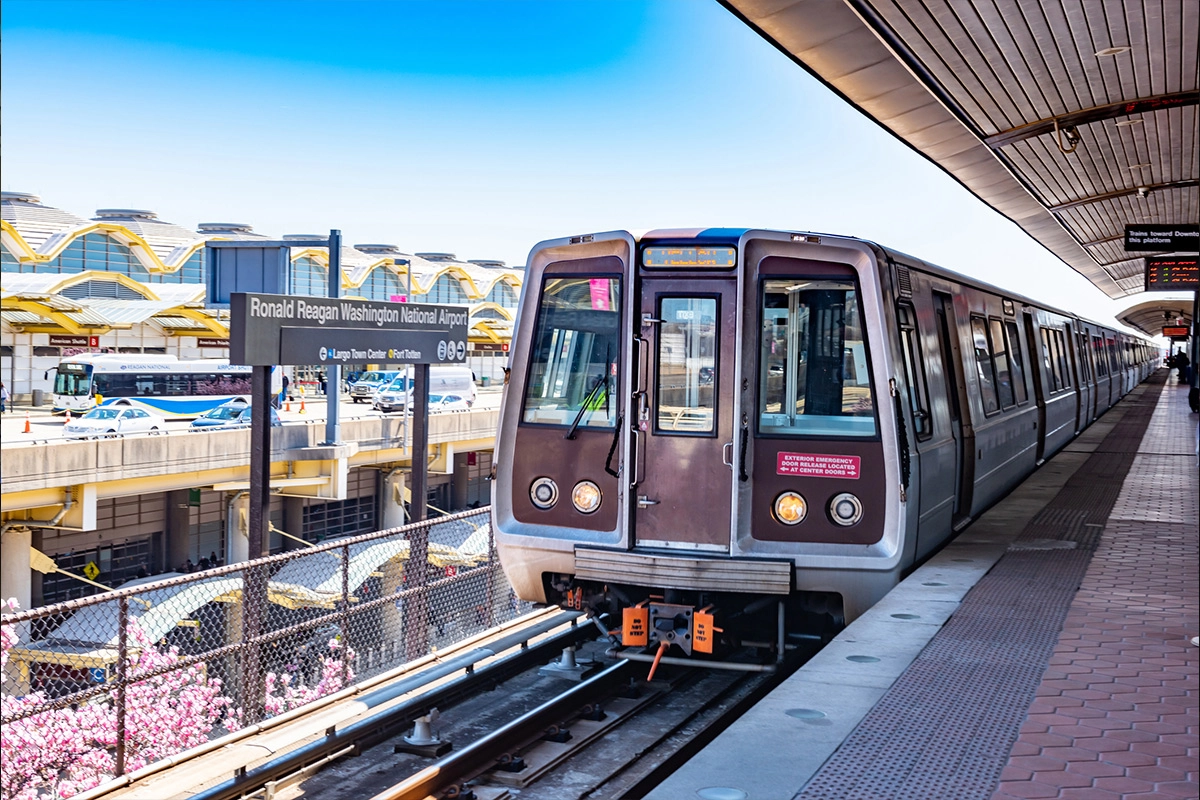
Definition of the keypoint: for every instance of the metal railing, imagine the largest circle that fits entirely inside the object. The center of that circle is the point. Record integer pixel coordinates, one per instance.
(143, 672)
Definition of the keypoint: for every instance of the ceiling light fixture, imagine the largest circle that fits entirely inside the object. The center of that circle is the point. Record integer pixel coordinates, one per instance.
(1114, 51)
(1127, 122)
(1132, 167)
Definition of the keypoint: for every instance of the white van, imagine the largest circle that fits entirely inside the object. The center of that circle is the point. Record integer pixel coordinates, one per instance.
(443, 380)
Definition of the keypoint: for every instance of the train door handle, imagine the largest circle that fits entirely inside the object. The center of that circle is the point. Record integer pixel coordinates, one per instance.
(645, 502)
(727, 454)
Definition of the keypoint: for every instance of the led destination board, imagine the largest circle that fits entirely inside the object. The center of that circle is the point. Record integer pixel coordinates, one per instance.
(1172, 274)
(689, 257)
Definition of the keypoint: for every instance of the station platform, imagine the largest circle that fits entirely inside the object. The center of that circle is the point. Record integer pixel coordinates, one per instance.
(1045, 653)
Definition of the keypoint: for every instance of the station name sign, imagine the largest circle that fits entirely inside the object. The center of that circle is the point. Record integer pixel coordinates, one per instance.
(1170, 238)
(270, 329)
(1172, 274)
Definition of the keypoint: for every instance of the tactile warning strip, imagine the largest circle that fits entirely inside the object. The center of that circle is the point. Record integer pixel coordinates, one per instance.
(946, 727)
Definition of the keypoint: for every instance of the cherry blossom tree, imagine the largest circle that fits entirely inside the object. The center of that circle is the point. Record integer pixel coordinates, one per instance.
(63, 751)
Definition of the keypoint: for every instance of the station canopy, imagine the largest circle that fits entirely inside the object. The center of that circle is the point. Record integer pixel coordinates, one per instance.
(1072, 119)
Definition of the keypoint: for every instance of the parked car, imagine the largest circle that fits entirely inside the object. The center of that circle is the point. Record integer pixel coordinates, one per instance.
(364, 388)
(234, 414)
(443, 380)
(109, 421)
(448, 402)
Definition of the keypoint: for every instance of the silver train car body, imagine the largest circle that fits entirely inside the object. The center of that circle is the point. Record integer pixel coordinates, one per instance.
(712, 419)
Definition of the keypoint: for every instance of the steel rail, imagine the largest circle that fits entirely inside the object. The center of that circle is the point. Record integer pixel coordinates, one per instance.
(481, 753)
(388, 722)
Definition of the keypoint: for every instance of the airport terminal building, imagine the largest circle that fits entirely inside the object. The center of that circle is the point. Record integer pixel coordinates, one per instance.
(125, 281)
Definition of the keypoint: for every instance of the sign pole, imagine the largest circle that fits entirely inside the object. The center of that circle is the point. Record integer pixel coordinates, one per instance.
(333, 372)
(418, 543)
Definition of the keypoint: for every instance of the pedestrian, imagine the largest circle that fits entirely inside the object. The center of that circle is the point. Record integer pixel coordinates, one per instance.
(324, 384)
(1181, 363)
(3, 398)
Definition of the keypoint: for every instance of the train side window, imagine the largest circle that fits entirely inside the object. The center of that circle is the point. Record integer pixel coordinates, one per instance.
(1051, 361)
(814, 371)
(984, 367)
(1000, 360)
(576, 349)
(1060, 353)
(1013, 340)
(1098, 355)
(914, 368)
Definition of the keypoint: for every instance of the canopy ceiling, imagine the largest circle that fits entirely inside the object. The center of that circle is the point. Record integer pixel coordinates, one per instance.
(1071, 118)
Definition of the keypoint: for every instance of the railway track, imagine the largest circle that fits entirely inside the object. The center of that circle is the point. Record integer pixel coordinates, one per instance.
(542, 709)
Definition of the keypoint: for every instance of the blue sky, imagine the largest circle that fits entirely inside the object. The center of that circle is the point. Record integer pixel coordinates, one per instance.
(477, 128)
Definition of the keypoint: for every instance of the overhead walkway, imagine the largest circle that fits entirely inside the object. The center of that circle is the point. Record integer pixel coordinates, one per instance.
(1045, 653)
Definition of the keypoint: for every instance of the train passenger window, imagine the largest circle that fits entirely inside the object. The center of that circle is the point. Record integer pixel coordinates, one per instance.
(1098, 353)
(1013, 342)
(984, 367)
(1060, 354)
(914, 368)
(814, 377)
(576, 347)
(1000, 361)
(687, 365)
(1051, 361)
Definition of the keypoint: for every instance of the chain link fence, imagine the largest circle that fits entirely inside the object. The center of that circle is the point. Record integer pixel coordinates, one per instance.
(102, 686)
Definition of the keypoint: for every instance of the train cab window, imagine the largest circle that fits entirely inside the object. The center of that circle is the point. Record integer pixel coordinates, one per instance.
(576, 347)
(914, 367)
(1004, 379)
(984, 366)
(687, 365)
(1013, 341)
(814, 378)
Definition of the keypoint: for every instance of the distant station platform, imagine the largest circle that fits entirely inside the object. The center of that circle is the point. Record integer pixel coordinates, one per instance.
(1045, 653)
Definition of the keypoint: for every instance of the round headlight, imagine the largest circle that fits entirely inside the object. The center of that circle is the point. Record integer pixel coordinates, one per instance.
(790, 508)
(544, 493)
(845, 509)
(586, 496)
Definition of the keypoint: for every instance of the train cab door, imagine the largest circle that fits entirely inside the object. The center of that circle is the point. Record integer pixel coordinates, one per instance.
(683, 401)
(960, 424)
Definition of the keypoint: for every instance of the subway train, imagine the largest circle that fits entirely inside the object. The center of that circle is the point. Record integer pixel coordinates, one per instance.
(719, 435)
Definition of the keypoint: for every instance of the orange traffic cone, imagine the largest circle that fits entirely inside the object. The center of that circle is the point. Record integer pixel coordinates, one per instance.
(302, 404)
(27, 430)
(287, 405)
(67, 418)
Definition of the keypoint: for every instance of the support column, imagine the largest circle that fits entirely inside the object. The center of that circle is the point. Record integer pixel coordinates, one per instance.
(178, 530)
(237, 542)
(391, 500)
(293, 521)
(15, 572)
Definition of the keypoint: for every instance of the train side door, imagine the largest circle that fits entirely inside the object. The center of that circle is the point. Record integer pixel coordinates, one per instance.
(960, 423)
(683, 429)
(1036, 362)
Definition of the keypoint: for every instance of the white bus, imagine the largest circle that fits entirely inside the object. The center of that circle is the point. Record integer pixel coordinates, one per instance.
(163, 384)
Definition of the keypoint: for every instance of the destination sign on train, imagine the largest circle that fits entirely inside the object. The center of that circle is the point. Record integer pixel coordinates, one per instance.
(689, 257)
(270, 329)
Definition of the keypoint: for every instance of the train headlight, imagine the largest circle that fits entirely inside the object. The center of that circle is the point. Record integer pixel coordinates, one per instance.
(845, 509)
(544, 493)
(790, 508)
(586, 497)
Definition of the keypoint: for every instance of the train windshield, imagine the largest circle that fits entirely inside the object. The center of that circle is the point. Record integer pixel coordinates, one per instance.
(576, 346)
(73, 380)
(814, 379)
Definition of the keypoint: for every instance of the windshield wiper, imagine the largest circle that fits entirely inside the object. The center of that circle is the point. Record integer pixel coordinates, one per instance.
(601, 380)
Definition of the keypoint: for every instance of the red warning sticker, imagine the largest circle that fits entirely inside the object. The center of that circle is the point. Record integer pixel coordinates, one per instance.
(818, 465)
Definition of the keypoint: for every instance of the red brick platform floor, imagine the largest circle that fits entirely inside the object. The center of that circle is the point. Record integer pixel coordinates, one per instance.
(1117, 713)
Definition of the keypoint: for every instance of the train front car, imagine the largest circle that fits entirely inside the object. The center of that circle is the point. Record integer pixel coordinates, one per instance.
(698, 437)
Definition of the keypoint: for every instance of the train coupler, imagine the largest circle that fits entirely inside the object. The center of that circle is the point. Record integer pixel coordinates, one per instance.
(669, 624)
